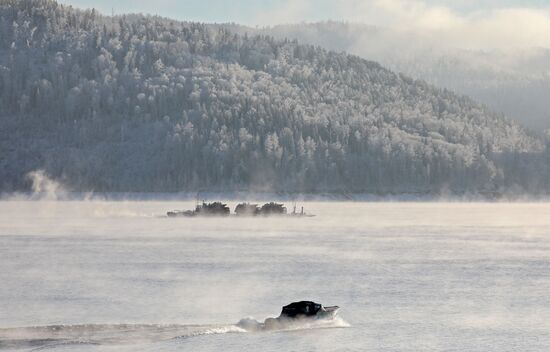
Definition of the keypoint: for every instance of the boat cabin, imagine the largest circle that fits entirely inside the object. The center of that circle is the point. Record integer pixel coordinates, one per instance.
(306, 308)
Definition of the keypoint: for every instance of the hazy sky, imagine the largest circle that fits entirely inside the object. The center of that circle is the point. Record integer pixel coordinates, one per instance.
(253, 11)
(475, 23)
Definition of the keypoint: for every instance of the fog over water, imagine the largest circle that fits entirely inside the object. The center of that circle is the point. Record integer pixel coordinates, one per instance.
(102, 276)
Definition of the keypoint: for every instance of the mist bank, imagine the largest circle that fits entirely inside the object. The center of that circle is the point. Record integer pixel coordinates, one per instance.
(146, 104)
(288, 198)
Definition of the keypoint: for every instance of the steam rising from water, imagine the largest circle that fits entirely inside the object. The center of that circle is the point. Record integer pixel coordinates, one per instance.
(43, 187)
(252, 325)
(130, 334)
(104, 334)
(410, 277)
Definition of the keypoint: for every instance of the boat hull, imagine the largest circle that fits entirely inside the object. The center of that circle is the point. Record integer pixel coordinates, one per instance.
(285, 322)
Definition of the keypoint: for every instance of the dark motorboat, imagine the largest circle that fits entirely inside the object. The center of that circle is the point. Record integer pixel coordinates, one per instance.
(300, 312)
(308, 309)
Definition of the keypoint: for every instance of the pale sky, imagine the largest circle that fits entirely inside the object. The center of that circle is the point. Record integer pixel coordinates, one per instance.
(468, 23)
(257, 12)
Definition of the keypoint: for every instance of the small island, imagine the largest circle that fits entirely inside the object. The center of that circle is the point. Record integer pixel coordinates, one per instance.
(241, 210)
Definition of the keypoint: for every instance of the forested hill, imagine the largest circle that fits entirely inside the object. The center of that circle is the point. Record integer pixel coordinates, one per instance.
(137, 103)
(513, 80)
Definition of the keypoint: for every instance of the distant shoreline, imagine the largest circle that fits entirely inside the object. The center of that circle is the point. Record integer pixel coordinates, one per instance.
(269, 196)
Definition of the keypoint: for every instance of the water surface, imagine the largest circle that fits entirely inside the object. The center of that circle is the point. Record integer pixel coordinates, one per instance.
(96, 276)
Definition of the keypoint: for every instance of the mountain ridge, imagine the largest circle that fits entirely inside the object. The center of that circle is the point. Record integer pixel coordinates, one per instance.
(143, 103)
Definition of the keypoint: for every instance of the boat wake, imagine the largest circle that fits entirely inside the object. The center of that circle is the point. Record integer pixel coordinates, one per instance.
(252, 325)
(104, 334)
(53, 336)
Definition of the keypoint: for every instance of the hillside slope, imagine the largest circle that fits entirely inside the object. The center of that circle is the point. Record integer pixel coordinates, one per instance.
(137, 103)
(513, 81)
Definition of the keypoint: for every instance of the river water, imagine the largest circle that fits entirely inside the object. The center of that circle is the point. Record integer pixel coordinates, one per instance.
(106, 276)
